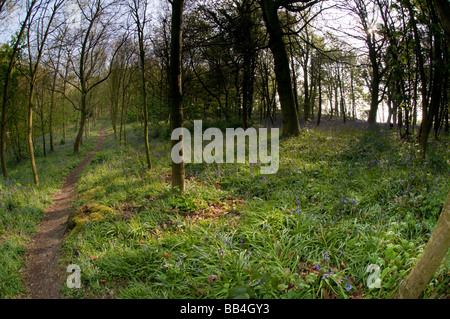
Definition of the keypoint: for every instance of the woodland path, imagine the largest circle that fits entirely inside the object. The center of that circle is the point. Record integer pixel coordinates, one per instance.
(44, 275)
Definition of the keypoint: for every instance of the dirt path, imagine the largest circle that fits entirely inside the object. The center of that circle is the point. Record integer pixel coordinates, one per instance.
(44, 276)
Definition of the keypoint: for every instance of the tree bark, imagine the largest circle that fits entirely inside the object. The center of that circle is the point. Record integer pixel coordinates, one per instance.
(144, 98)
(30, 136)
(374, 85)
(319, 113)
(140, 20)
(175, 89)
(291, 126)
(443, 11)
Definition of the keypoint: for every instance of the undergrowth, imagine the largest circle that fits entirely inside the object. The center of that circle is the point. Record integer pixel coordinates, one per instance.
(22, 205)
(341, 200)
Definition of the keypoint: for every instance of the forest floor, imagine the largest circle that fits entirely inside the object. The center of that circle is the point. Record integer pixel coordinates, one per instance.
(343, 198)
(44, 275)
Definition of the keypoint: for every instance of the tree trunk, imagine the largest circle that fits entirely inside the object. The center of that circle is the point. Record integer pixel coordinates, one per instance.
(175, 89)
(52, 100)
(423, 138)
(429, 261)
(374, 92)
(443, 11)
(82, 122)
(6, 86)
(140, 24)
(306, 103)
(3, 141)
(352, 88)
(30, 136)
(291, 126)
(319, 114)
(247, 87)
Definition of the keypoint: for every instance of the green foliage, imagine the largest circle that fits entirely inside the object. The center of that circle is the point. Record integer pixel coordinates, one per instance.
(22, 205)
(342, 199)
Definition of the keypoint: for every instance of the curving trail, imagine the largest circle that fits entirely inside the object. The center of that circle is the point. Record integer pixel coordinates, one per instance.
(44, 276)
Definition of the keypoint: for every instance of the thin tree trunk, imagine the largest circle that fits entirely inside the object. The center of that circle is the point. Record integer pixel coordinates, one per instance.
(423, 132)
(140, 24)
(82, 122)
(319, 113)
(175, 89)
(30, 136)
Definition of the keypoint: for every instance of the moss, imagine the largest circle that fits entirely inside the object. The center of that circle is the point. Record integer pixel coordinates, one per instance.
(87, 213)
(91, 193)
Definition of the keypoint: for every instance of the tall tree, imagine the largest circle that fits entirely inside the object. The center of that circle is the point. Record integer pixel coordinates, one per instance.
(43, 24)
(15, 47)
(175, 89)
(277, 46)
(139, 13)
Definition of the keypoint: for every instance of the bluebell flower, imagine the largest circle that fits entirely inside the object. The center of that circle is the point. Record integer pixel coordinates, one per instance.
(349, 287)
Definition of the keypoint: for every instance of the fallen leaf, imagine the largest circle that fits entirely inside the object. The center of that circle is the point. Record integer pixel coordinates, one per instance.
(211, 278)
(94, 257)
(327, 295)
(202, 291)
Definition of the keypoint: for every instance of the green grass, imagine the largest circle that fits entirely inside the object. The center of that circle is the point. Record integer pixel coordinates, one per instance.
(22, 205)
(342, 199)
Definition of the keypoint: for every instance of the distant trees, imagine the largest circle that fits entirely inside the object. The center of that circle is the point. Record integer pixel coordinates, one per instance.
(439, 243)
(366, 12)
(92, 54)
(241, 60)
(239, 29)
(407, 60)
